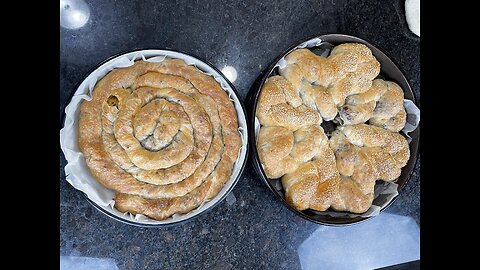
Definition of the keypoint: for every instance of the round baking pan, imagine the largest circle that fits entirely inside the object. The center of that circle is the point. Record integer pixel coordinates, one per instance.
(389, 71)
(204, 66)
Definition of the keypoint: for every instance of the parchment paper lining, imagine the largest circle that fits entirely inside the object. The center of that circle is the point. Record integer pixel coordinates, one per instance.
(384, 191)
(76, 170)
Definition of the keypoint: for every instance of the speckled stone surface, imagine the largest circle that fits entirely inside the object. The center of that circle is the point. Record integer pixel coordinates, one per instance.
(251, 229)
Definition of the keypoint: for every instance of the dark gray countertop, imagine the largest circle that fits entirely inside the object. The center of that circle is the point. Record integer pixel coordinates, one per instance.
(252, 229)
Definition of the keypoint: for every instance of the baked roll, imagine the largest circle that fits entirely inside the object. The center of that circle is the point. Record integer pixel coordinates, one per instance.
(389, 111)
(364, 154)
(315, 183)
(339, 173)
(278, 105)
(348, 70)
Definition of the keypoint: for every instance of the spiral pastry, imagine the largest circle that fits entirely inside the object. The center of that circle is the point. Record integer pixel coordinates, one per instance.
(317, 172)
(163, 135)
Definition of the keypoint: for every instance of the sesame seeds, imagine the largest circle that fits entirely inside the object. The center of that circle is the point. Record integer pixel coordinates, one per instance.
(350, 69)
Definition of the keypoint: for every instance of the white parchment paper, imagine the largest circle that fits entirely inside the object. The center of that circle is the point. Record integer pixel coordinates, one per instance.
(76, 170)
(384, 191)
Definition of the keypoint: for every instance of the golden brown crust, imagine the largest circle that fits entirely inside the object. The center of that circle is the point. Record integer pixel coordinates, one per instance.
(315, 183)
(364, 154)
(274, 109)
(291, 145)
(389, 112)
(350, 198)
(274, 146)
(281, 151)
(359, 108)
(344, 79)
(160, 209)
(348, 70)
(163, 135)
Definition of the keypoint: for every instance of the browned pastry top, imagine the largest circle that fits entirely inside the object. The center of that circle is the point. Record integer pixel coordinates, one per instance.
(340, 172)
(163, 135)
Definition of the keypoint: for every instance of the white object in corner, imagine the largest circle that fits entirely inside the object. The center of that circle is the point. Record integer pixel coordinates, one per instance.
(412, 12)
